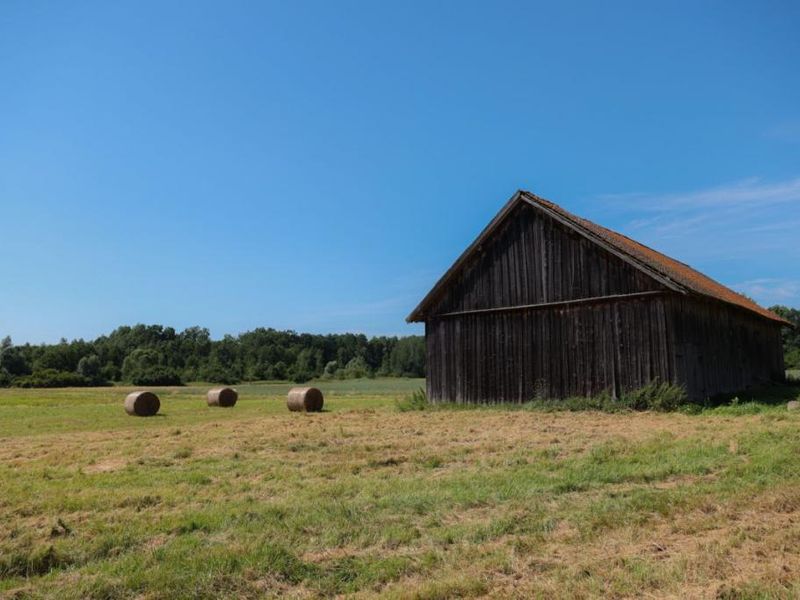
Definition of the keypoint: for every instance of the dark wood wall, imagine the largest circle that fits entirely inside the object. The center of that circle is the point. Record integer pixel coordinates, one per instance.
(554, 353)
(638, 333)
(612, 346)
(719, 348)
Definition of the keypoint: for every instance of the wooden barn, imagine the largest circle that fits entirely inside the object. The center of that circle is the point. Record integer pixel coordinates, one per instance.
(544, 303)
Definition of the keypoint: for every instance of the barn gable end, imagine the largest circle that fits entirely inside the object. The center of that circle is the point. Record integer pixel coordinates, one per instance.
(530, 259)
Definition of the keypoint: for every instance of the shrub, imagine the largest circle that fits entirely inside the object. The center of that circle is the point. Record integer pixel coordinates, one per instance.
(279, 370)
(790, 335)
(110, 372)
(218, 374)
(51, 378)
(139, 362)
(407, 358)
(656, 395)
(792, 358)
(5, 378)
(89, 368)
(301, 376)
(155, 376)
(356, 368)
(418, 400)
(13, 360)
(329, 372)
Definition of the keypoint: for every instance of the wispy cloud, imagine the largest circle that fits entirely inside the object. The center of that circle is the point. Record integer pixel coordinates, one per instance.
(739, 209)
(770, 291)
(745, 193)
(746, 231)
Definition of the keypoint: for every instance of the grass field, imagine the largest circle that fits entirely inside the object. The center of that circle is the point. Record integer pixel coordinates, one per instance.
(363, 500)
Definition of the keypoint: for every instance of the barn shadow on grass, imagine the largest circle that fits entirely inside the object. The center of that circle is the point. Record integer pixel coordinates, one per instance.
(768, 395)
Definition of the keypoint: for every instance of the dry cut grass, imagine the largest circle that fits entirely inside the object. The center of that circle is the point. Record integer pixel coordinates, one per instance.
(366, 501)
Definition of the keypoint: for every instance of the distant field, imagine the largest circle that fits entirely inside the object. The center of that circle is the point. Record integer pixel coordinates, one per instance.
(367, 501)
(32, 412)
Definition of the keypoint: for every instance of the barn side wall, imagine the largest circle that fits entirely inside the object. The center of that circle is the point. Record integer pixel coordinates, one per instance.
(708, 347)
(720, 349)
(534, 259)
(554, 352)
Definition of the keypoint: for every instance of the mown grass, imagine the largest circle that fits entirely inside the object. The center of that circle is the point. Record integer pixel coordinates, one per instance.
(365, 500)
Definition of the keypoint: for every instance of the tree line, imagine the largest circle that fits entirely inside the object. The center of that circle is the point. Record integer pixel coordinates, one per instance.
(158, 355)
(791, 337)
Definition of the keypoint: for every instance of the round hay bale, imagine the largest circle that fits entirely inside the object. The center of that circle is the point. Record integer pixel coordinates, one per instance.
(142, 404)
(222, 396)
(308, 399)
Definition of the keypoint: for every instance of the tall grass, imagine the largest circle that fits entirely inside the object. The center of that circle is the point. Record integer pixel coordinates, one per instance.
(417, 400)
(655, 396)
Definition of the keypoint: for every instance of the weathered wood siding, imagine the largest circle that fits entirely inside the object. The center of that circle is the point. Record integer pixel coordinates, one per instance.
(719, 348)
(533, 259)
(708, 347)
(549, 352)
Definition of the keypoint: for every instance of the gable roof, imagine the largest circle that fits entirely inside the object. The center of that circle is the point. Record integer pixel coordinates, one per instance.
(671, 273)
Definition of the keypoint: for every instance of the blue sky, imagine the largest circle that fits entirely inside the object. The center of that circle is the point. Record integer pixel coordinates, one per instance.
(317, 166)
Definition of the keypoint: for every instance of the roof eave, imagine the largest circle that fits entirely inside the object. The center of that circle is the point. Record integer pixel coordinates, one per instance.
(771, 317)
